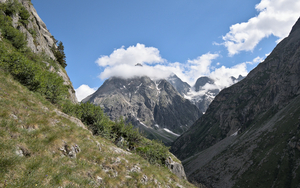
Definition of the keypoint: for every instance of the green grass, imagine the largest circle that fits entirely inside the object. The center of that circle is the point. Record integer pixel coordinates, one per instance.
(41, 132)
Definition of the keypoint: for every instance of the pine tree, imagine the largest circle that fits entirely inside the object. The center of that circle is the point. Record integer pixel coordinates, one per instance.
(60, 54)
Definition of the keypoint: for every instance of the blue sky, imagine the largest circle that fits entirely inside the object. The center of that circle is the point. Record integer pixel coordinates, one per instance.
(190, 38)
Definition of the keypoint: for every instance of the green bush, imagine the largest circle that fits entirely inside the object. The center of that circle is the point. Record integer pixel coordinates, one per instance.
(21, 69)
(52, 86)
(154, 151)
(32, 74)
(16, 37)
(128, 132)
(10, 8)
(24, 15)
(99, 123)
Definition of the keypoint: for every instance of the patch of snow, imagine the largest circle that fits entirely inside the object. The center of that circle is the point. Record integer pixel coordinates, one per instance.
(158, 90)
(236, 133)
(141, 123)
(171, 132)
(156, 125)
(138, 87)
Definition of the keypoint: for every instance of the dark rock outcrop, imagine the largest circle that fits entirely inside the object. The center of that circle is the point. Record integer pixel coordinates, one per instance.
(251, 127)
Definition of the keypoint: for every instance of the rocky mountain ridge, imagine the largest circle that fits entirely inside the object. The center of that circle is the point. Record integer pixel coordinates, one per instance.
(198, 94)
(251, 127)
(152, 105)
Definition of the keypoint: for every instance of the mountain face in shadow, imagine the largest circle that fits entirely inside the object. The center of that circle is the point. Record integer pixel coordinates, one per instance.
(249, 135)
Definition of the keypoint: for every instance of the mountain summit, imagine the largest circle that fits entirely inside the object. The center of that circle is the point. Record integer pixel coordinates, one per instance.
(152, 105)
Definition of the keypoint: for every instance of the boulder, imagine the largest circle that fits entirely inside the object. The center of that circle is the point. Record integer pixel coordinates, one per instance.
(176, 168)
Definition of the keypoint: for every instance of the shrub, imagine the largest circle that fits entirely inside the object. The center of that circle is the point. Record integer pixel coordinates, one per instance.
(24, 15)
(52, 86)
(99, 123)
(16, 37)
(128, 132)
(154, 151)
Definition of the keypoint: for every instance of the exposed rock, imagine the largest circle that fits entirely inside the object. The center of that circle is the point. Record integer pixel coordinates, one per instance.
(175, 168)
(23, 151)
(71, 118)
(147, 104)
(135, 168)
(98, 145)
(99, 180)
(144, 179)
(13, 116)
(119, 150)
(120, 141)
(70, 151)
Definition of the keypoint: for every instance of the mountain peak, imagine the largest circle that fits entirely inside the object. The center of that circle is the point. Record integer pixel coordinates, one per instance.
(296, 26)
(138, 65)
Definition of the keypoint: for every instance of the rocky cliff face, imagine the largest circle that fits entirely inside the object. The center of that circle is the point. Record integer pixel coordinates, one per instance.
(249, 134)
(40, 40)
(154, 106)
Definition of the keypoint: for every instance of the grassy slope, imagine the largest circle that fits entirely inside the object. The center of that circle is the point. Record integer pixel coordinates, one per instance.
(30, 123)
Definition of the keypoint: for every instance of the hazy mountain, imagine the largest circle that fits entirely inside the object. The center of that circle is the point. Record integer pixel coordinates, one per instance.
(154, 106)
(204, 91)
(249, 135)
(182, 87)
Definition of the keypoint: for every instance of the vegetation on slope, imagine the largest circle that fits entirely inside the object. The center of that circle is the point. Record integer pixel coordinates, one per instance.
(30, 69)
(41, 146)
(36, 140)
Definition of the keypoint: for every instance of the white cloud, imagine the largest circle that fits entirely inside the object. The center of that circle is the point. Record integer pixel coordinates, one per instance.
(276, 17)
(131, 56)
(129, 71)
(121, 63)
(83, 91)
(222, 75)
(256, 60)
(189, 71)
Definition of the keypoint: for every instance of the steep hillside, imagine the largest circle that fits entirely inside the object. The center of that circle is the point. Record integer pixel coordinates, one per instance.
(22, 16)
(43, 147)
(153, 106)
(249, 135)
